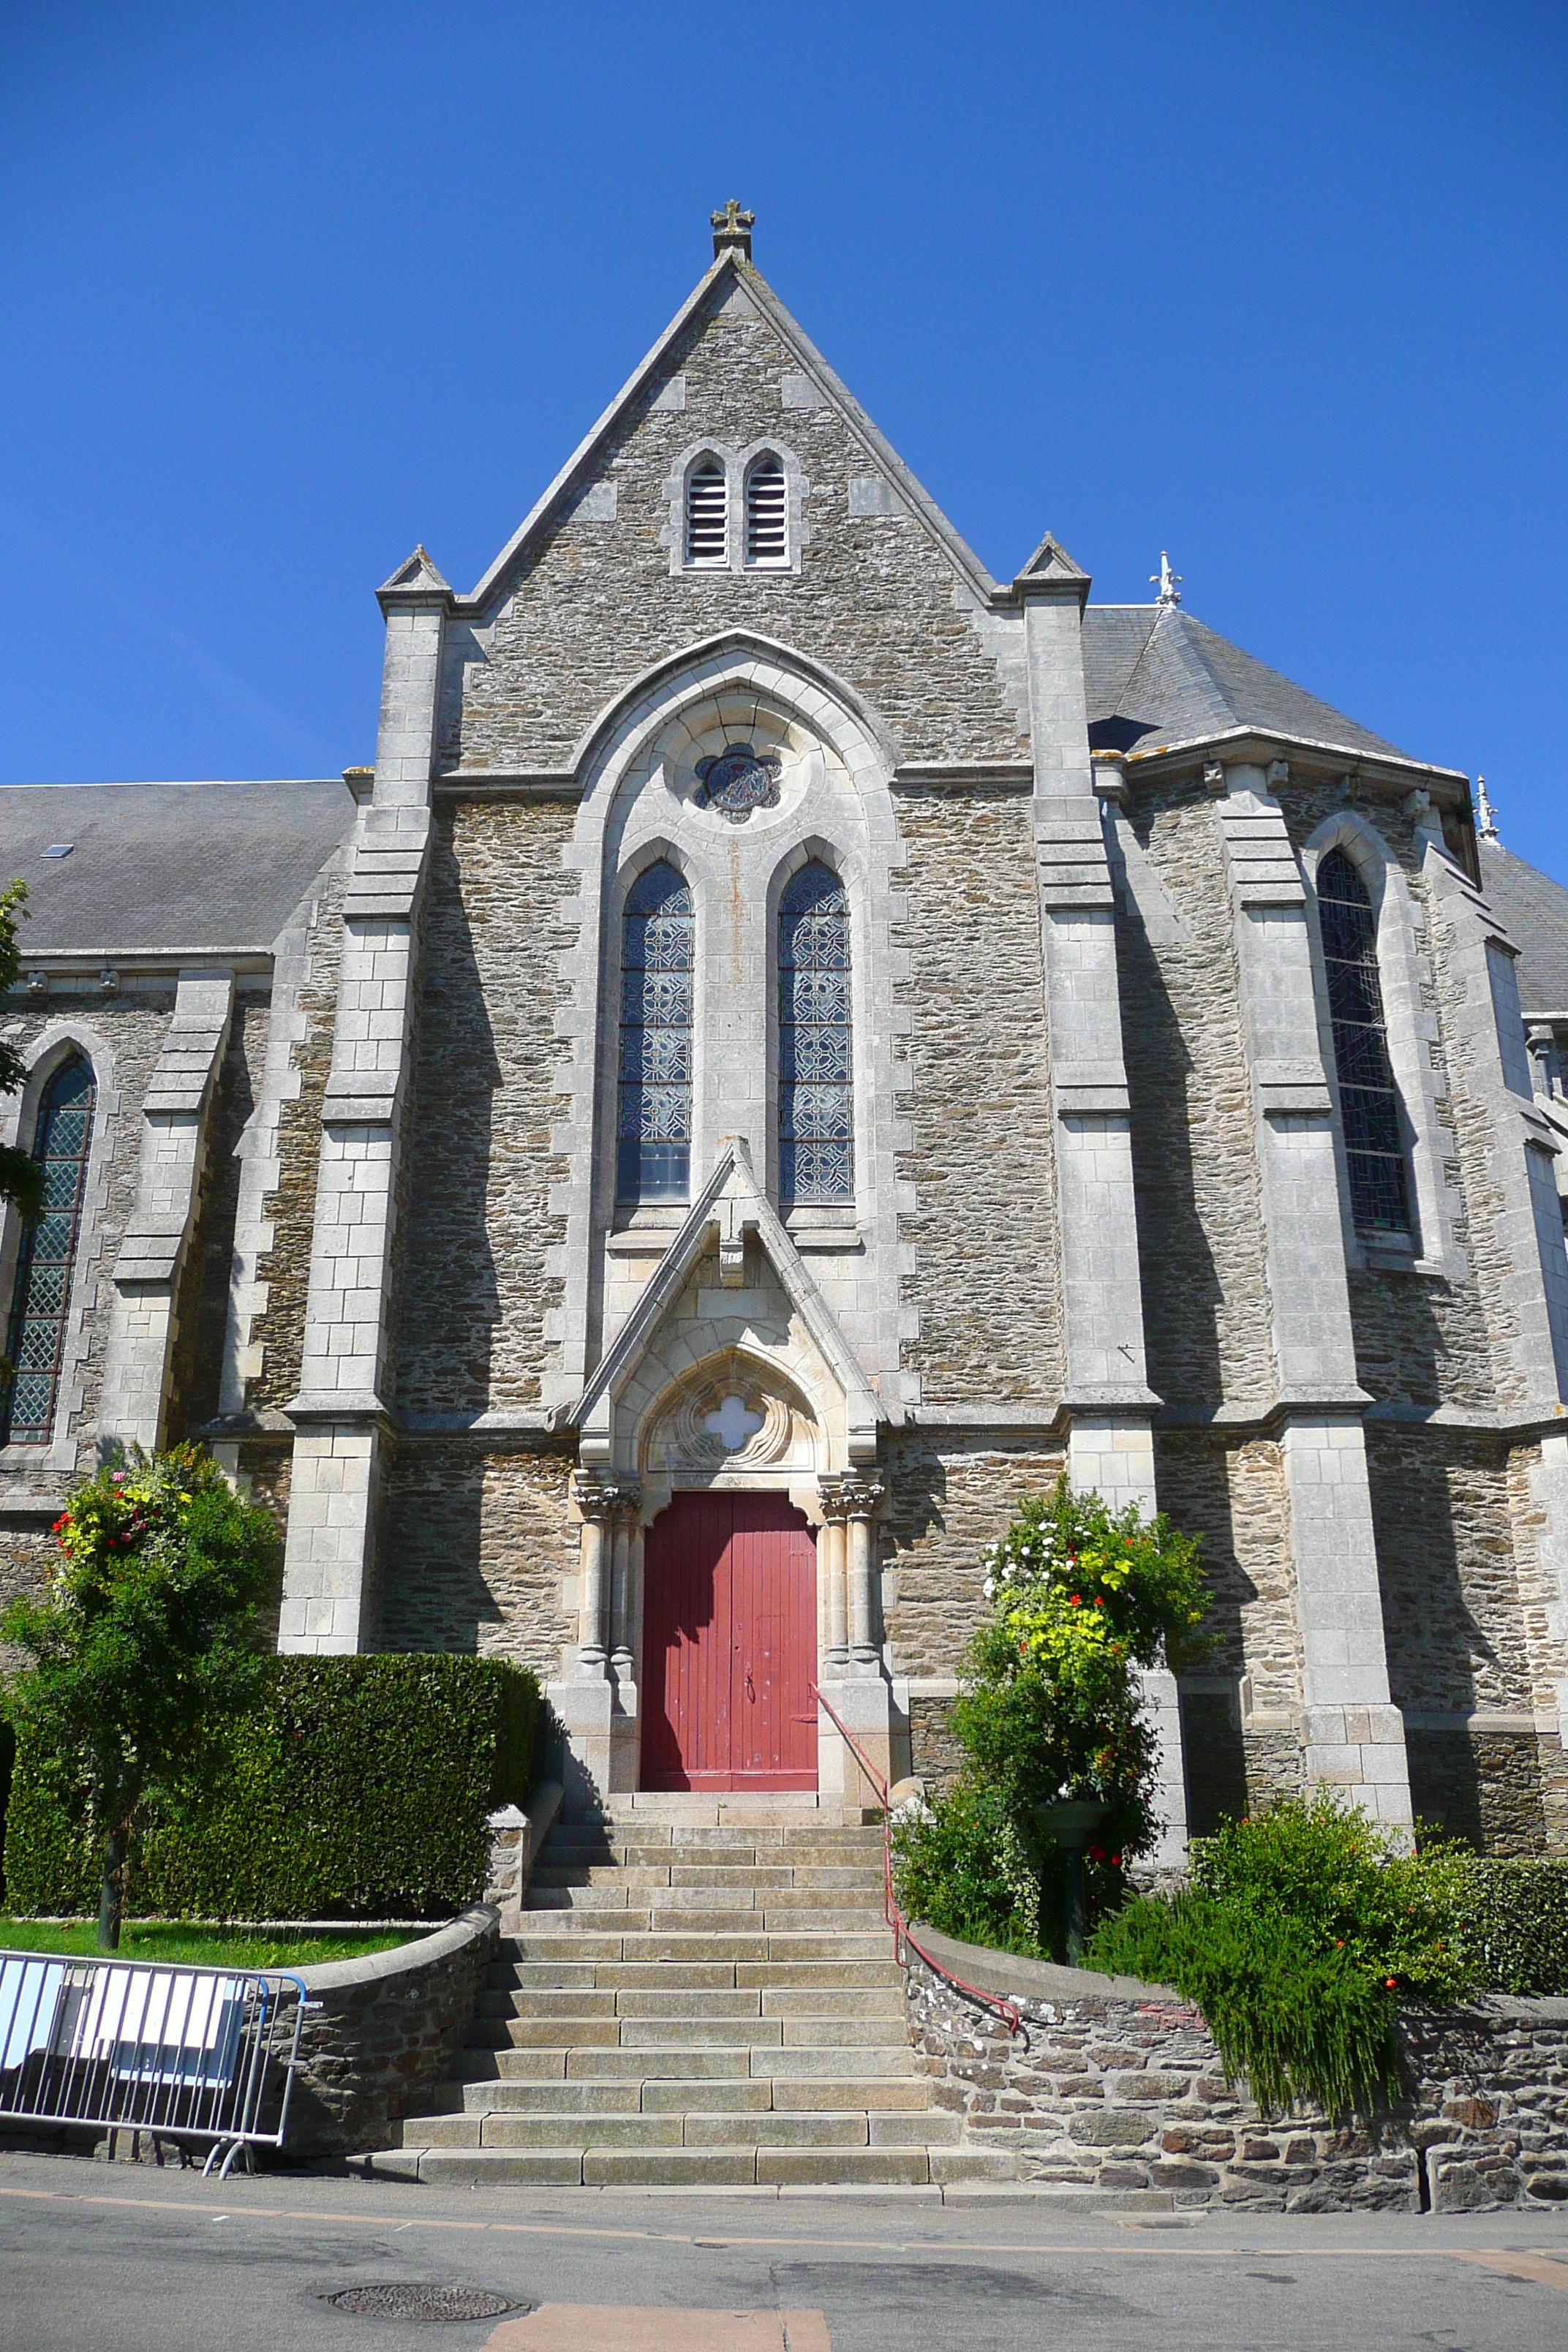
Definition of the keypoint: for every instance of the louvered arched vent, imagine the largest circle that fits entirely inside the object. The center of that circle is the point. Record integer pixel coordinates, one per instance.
(767, 512)
(707, 514)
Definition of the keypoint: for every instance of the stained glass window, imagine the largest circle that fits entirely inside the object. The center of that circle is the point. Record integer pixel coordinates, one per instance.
(1368, 1101)
(653, 1153)
(41, 1307)
(817, 1102)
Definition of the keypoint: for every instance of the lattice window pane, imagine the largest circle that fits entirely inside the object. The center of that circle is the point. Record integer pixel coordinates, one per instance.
(817, 1102)
(1369, 1100)
(767, 512)
(41, 1307)
(653, 1113)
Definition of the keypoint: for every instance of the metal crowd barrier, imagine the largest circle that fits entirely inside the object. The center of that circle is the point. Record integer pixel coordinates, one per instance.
(141, 2045)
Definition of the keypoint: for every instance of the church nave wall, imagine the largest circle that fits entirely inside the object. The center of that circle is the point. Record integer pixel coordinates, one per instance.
(475, 1292)
(474, 1546)
(1200, 1222)
(983, 1261)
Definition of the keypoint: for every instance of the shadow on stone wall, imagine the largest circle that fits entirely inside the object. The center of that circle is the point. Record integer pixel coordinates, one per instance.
(449, 1302)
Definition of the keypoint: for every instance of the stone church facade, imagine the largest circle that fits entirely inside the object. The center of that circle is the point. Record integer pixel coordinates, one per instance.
(794, 1043)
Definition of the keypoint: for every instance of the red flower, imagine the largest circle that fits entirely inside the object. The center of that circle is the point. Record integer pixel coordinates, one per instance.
(1100, 1600)
(1389, 1982)
(1116, 1861)
(1075, 1600)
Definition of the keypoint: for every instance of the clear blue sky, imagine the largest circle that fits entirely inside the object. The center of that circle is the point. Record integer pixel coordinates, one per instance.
(286, 288)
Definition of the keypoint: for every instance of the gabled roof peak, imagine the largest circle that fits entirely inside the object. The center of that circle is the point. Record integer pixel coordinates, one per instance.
(414, 576)
(732, 266)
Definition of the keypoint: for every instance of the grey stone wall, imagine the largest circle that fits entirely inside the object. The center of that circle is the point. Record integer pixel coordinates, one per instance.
(1229, 1489)
(475, 1294)
(1450, 1590)
(279, 1330)
(387, 2030)
(1114, 2085)
(478, 1546)
(203, 1306)
(986, 1283)
(949, 1494)
(1205, 1291)
(595, 604)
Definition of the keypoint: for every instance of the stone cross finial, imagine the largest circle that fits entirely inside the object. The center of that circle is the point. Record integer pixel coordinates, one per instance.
(1168, 583)
(1487, 825)
(732, 230)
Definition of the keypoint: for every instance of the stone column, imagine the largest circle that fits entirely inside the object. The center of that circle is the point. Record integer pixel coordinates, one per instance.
(597, 1700)
(831, 1546)
(1109, 1402)
(858, 1499)
(599, 1503)
(174, 1145)
(329, 1596)
(1354, 1739)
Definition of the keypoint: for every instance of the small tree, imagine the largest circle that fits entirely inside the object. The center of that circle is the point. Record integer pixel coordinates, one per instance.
(1051, 1707)
(146, 1641)
(21, 1178)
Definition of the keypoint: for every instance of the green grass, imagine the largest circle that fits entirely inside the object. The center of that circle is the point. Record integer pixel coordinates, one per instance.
(172, 1939)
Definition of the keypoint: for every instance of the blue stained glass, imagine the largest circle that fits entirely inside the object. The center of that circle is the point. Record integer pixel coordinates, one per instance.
(653, 1117)
(817, 1102)
(40, 1310)
(1369, 1100)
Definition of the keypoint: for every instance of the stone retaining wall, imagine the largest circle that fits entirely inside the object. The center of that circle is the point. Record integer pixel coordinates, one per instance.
(388, 2029)
(1117, 2085)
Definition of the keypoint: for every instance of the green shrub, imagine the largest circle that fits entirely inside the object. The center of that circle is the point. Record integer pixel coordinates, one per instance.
(960, 1865)
(1347, 1885)
(1510, 1925)
(1298, 2023)
(356, 1787)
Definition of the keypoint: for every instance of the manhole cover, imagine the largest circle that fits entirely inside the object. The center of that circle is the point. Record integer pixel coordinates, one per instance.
(411, 2302)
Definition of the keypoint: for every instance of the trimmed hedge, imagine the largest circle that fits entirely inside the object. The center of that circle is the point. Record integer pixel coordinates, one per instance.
(358, 1787)
(1510, 1924)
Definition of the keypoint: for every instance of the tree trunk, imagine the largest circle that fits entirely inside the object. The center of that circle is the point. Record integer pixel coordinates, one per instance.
(112, 1897)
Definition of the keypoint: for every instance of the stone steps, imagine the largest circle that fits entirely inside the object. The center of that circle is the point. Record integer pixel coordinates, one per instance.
(703, 1993)
(686, 2167)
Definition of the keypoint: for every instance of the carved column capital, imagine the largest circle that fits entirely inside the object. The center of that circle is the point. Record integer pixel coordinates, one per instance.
(859, 1497)
(601, 1500)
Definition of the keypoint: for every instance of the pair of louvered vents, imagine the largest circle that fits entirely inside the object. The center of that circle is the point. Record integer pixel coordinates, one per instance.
(708, 514)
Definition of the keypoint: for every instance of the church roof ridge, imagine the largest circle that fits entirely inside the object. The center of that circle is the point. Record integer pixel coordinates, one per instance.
(733, 264)
(1158, 680)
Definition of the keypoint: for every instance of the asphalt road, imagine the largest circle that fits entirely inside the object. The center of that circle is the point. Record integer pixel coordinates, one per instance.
(120, 2258)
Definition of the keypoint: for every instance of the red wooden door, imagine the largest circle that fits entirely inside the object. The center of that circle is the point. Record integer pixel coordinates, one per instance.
(728, 1645)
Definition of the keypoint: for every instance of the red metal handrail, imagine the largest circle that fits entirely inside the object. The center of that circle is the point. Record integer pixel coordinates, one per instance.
(1011, 2016)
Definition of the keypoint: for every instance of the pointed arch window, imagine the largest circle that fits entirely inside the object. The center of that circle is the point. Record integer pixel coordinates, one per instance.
(1369, 1100)
(708, 515)
(767, 512)
(816, 1109)
(653, 1146)
(41, 1307)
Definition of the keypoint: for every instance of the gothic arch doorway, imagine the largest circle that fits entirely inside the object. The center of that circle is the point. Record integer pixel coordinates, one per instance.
(730, 1644)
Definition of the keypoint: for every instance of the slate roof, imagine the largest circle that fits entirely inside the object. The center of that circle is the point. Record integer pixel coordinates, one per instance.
(167, 867)
(1157, 677)
(1533, 911)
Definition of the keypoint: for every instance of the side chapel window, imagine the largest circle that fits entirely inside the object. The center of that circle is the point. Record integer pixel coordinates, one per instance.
(1368, 1101)
(708, 515)
(653, 1149)
(817, 1104)
(767, 512)
(41, 1305)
